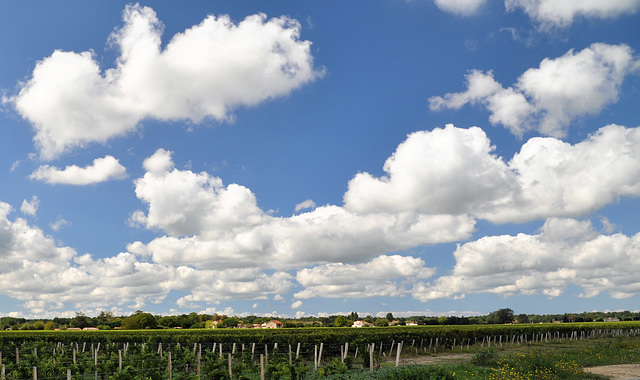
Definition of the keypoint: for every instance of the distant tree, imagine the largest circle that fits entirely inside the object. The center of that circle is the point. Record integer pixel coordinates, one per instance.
(104, 318)
(342, 321)
(230, 322)
(81, 321)
(522, 318)
(389, 317)
(139, 320)
(353, 316)
(430, 321)
(502, 316)
(38, 325)
(381, 322)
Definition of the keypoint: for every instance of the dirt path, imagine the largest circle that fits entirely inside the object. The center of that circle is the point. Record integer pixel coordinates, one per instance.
(617, 372)
(437, 359)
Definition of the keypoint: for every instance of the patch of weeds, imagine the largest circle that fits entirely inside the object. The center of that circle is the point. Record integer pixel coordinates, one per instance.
(485, 358)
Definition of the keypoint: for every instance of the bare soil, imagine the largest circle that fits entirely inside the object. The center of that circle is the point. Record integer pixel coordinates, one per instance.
(617, 372)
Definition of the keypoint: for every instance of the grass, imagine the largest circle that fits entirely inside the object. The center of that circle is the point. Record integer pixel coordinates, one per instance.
(548, 361)
(565, 360)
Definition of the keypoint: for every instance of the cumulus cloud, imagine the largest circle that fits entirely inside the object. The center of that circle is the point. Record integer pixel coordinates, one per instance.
(566, 251)
(204, 72)
(30, 262)
(382, 276)
(30, 207)
(460, 7)
(48, 277)
(551, 13)
(296, 304)
(443, 171)
(210, 225)
(454, 171)
(102, 170)
(550, 97)
(218, 244)
(437, 184)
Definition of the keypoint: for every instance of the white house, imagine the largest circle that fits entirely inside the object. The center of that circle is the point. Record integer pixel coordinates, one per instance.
(272, 324)
(361, 324)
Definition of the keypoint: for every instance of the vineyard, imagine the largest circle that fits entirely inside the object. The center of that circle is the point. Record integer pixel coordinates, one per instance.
(256, 353)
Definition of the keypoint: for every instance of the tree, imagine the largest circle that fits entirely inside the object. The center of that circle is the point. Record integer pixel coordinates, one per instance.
(81, 321)
(229, 322)
(381, 322)
(502, 316)
(139, 320)
(342, 321)
(353, 316)
(389, 317)
(522, 318)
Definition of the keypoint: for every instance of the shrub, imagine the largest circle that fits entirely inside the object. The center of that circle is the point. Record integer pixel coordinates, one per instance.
(485, 358)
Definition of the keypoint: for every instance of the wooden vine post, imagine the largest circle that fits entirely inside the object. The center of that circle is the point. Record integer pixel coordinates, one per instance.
(371, 357)
(261, 367)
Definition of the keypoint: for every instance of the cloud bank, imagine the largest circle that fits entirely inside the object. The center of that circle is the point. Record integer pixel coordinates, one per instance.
(211, 225)
(567, 251)
(219, 245)
(204, 72)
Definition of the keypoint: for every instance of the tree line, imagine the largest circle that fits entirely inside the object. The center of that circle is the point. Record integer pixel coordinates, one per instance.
(142, 320)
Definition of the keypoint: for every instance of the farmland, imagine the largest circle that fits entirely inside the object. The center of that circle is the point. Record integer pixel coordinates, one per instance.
(277, 353)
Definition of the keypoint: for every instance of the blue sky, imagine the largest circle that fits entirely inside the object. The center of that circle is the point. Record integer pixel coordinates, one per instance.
(302, 158)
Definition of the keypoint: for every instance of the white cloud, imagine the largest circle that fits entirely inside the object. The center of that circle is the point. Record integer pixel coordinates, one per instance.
(443, 171)
(296, 304)
(428, 313)
(15, 165)
(102, 170)
(382, 276)
(305, 205)
(218, 243)
(437, 184)
(566, 251)
(454, 171)
(59, 223)
(204, 72)
(552, 13)
(460, 7)
(212, 226)
(30, 207)
(550, 97)
(34, 269)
